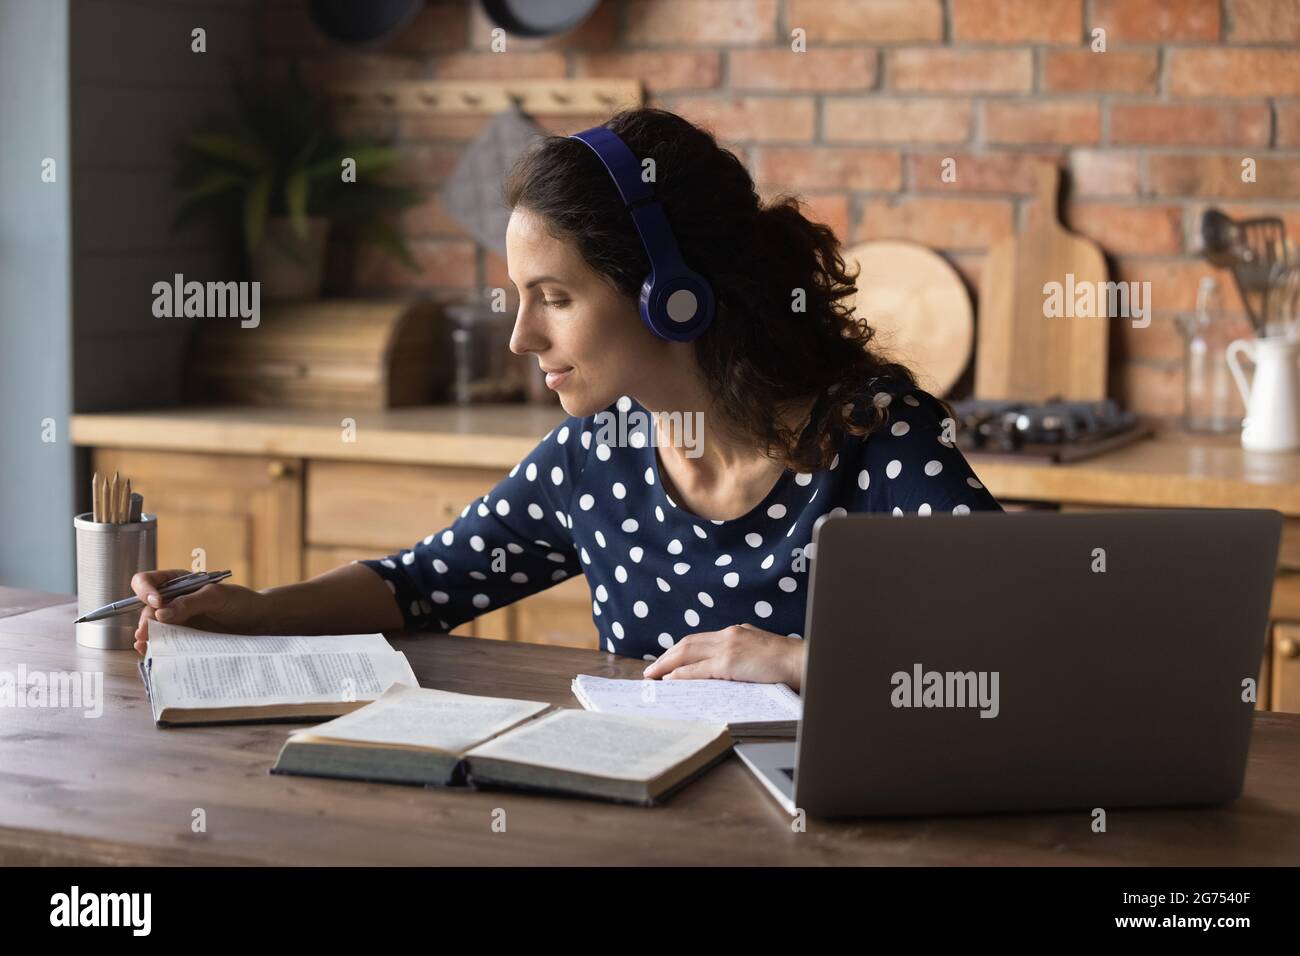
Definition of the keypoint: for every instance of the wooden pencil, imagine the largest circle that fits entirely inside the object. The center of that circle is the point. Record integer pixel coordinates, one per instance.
(94, 497)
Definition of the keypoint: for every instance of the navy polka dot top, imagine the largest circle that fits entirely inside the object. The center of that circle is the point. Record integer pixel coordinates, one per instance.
(589, 500)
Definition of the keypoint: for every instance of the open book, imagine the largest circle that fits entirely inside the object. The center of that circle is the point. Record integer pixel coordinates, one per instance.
(438, 738)
(748, 709)
(198, 677)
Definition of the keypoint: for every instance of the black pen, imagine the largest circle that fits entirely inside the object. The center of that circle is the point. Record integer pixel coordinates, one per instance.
(173, 588)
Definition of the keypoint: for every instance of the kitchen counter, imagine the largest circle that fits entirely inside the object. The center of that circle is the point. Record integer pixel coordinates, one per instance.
(1171, 469)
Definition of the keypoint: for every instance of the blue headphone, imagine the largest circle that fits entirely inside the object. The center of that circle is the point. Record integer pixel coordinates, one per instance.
(676, 303)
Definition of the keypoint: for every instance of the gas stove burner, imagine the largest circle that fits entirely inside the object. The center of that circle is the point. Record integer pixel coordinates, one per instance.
(1056, 429)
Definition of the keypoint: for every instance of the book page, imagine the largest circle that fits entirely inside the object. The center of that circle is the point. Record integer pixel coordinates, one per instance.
(711, 701)
(173, 639)
(214, 680)
(423, 717)
(600, 745)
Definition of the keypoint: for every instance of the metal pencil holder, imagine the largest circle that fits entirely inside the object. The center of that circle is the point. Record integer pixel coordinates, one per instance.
(108, 556)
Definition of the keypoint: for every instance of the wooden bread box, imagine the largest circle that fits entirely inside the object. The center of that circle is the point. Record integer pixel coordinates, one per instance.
(345, 353)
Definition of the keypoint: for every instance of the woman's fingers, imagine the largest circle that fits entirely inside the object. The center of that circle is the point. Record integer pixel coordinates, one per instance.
(700, 670)
(692, 647)
(142, 630)
(208, 599)
(145, 584)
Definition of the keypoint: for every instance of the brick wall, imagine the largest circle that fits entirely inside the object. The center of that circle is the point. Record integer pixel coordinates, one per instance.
(1150, 132)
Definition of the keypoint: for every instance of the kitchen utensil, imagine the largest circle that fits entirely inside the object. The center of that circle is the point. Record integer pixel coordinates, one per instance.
(538, 18)
(918, 305)
(1021, 353)
(1272, 399)
(365, 23)
(1249, 248)
(472, 193)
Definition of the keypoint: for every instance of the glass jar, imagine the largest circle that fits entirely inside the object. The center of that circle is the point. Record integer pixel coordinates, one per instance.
(1212, 404)
(485, 370)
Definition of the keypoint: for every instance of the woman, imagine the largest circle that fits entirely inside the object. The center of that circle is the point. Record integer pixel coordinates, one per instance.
(687, 480)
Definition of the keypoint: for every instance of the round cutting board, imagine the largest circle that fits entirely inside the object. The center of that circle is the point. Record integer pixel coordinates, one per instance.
(919, 308)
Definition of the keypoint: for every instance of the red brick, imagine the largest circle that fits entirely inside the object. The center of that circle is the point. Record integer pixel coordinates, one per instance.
(1234, 72)
(700, 22)
(1290, 215)
(821, 68)
(827, 167)
(1017, 21)
(1263, 21)
(1197, 175)
(454, 126)
(1154, 21)
(1190, 124)
(658, 69)
(933, 70)
(867, 21)
(425, 164)
(938, 222)
(1128, 229)
(430, 219)
(1103, 173)
(1174, 282)
(1115, 71)
(1061, 121)
(442, 262)
(1158, 342)
(500, 66)
(598, 32)
(440, 27)
(831, 209)
(1149, 388)
(749, 118)
(977, 172)
(1288, 124)
(882, 120)
(347, 69)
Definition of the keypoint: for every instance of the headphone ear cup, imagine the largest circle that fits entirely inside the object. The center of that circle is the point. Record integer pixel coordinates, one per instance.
(678, 308)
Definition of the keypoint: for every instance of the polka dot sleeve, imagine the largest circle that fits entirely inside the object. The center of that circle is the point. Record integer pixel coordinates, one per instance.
(912, 464)
(514, 541)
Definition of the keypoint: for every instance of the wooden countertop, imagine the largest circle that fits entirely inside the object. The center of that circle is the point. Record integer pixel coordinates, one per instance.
(1172, 469)
(118, 790)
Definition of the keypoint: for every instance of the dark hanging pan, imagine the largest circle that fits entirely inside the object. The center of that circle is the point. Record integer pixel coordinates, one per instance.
(370, 21)
(538, 18)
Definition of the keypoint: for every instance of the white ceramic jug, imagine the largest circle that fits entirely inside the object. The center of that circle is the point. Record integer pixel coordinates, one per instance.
(1272, 400)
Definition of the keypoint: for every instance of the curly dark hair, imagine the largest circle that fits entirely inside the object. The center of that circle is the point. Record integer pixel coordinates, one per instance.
(760, 351)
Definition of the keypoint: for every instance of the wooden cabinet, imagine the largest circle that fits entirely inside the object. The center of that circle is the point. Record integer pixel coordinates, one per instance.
(1284, 667)
(241, 512)
(368, 509)
(275, 521)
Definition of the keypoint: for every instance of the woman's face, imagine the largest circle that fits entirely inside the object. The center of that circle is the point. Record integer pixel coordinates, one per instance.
(584, 333)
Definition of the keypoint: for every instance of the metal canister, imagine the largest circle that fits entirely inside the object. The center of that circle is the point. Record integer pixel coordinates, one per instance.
(108, 556)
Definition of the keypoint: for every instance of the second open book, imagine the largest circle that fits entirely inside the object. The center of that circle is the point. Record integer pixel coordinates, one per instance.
(418, 735)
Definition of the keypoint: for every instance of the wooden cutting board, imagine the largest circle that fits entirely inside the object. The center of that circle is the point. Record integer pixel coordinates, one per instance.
(919, 308)
(1021, 352)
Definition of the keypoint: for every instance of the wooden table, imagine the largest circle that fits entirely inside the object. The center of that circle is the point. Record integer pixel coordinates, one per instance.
(116, 789)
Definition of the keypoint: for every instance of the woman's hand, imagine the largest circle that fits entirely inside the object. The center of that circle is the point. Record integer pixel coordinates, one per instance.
(228, 608)
(739, 652)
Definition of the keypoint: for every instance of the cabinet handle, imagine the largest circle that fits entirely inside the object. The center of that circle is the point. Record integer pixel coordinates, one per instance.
(279, 469)
(1289, 647)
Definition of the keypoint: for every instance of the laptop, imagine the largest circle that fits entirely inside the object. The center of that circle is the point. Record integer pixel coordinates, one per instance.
(1027, 661)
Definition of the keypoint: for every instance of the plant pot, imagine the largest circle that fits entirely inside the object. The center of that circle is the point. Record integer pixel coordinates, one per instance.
(289, 268)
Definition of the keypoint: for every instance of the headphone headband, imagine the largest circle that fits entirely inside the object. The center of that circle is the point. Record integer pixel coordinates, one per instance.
(676, 303)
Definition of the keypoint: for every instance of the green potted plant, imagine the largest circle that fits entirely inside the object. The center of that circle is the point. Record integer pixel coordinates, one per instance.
(289, 180)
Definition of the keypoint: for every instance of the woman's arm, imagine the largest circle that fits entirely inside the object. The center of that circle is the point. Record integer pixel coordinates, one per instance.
(351, 599)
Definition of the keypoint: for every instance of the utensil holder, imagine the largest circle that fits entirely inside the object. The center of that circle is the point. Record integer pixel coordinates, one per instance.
(108, 556)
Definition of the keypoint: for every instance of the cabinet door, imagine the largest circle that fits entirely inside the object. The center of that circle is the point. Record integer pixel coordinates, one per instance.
(370, 509)
(1285, 669)
(240, 512)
